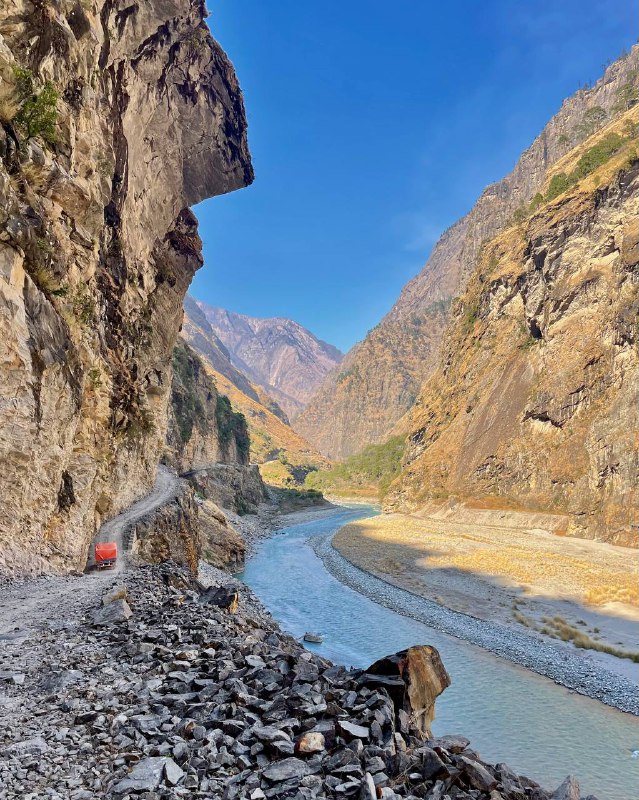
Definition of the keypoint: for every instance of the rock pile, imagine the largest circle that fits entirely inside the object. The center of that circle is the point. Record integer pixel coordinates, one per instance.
(184, 698)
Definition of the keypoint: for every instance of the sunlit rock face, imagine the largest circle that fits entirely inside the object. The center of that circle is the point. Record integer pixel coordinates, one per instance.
(535, 407)
(97, 249)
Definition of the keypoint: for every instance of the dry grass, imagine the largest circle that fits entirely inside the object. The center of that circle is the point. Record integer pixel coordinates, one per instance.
(613, 594)
(9, 107)
(568, 633)
(556, 567)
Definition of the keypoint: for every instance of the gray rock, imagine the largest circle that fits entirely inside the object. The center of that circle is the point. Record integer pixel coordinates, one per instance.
(172, 772)
(352, 730)
(35, 745)
(453, 743)
(480, 778)
(144, 777)
(569, 790)
(114, 612)
(285, 770)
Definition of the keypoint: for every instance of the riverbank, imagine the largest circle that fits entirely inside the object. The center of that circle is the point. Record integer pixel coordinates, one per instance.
(270, 518)
(562, 663)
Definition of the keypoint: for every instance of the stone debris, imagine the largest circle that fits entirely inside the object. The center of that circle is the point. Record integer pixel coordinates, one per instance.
(112, 613)
(180, 698)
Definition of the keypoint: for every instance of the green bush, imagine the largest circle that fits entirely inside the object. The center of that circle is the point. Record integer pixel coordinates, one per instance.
(37, 115)
(559, 183)
(231, 425)
(597, 155)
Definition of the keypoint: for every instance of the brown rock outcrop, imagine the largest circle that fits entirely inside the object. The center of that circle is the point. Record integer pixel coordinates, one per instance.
(414, 678)
(171, 532)
(380, 377)
(97, 248)
(222, 546)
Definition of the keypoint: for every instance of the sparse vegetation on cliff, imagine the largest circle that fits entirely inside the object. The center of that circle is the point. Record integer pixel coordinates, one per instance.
(369, 472)
(231, 425)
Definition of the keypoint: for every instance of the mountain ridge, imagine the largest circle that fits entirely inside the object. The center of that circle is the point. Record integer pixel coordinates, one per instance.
(282, 356)
(361, 403)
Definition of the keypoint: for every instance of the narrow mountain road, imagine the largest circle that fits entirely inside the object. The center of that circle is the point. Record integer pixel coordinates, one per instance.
(27, 605)
(167, 486)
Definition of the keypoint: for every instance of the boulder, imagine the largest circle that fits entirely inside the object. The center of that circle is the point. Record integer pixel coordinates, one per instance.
(478, 776)
(112, 613)
(414, 678)
(223, 597)
(116, 593)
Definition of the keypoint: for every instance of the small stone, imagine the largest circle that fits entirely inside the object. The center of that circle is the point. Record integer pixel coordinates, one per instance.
(173, 773)
(353, 730)
(310, 743)
(269, 734)
(144, 777)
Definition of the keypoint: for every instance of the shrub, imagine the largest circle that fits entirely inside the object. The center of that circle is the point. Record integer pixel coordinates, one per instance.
(558, 184)
(375, 466)
(37, 115)
(597, 155)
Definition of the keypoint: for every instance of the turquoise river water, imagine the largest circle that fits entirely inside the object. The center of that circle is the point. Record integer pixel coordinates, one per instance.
(510, 714)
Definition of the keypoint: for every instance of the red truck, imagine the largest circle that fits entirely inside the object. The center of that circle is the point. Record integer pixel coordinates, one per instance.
(106, 554)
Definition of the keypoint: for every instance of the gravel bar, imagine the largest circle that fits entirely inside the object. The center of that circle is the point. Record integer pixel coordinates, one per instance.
(569, 669)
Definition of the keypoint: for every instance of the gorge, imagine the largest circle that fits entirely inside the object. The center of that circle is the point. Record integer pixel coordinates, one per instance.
(493, 411)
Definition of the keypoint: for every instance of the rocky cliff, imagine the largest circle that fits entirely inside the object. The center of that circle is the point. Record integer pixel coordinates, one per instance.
(278, 354)
(115, 119)
(203, 428)
(535, 406)
(381, 377)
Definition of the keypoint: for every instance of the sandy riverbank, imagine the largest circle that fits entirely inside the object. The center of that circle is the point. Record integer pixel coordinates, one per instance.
(554, 587)
(612, 680)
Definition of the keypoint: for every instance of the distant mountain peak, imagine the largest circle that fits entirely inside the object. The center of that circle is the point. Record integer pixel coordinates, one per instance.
(276, 353)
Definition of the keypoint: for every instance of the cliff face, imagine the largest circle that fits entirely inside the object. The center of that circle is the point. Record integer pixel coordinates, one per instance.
(380, 378)
(97, 248)
(278, 354)
(535, 406)
(203, 429)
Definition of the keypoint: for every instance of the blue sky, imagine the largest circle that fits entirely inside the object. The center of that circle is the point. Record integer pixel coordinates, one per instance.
(374, 126)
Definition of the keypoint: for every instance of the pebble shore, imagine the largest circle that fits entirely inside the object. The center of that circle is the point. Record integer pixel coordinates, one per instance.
(561, 663)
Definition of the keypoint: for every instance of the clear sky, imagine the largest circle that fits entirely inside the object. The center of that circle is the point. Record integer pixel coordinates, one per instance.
(374, 126)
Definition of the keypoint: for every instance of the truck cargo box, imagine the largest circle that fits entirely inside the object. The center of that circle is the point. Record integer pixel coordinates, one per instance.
(106, 554)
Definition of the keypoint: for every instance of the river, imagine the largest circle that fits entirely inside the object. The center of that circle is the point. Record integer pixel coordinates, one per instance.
(511, 715)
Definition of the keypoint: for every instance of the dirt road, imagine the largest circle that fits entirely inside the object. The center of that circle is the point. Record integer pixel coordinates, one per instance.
(27, 605)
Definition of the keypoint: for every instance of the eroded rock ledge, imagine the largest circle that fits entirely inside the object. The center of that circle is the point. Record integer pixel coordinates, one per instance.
(182, 698)
(97, 249)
